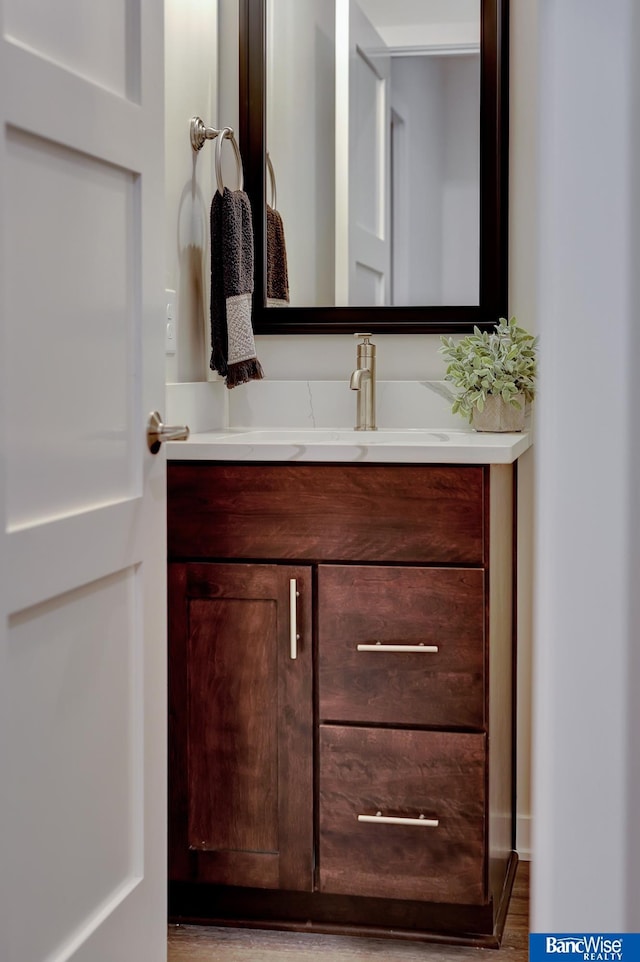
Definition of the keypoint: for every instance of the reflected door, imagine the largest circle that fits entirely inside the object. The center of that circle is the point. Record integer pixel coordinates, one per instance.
(363, 249)
(82, 530)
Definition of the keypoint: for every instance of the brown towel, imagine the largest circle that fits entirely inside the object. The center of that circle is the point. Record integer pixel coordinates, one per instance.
(233, 350)
(277, 274)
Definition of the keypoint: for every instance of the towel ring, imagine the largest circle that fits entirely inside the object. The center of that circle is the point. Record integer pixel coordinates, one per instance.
(272, 181)
(227, 134)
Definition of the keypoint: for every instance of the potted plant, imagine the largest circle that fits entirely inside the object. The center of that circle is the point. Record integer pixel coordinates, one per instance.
(495, 374)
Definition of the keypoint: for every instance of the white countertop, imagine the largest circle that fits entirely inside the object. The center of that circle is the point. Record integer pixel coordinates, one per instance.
(410, 446)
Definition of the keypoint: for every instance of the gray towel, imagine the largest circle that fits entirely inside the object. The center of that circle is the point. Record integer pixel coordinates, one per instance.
(277, 273)
(233, 350)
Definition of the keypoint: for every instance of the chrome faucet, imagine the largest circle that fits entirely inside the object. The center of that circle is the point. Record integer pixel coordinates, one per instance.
(363, 380)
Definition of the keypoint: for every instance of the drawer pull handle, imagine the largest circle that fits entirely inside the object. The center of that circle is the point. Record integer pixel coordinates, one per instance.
(381, 819)
(294, 637)
(427, 649)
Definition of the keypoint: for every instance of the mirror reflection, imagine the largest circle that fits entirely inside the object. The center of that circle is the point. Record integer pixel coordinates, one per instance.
(373, 134)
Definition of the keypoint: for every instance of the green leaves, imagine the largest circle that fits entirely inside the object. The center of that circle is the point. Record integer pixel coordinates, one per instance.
(502, 362)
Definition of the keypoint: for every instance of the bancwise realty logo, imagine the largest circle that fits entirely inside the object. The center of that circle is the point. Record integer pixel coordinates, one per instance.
(587, 948)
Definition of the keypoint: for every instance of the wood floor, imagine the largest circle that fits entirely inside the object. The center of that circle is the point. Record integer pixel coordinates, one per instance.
(191, 943)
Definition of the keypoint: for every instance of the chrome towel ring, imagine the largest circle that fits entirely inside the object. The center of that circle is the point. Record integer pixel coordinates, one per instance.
(199, 133)
(227, 134)
(272, 181)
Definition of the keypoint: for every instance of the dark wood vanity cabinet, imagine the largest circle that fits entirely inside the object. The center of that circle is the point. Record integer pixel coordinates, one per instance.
(352, 772)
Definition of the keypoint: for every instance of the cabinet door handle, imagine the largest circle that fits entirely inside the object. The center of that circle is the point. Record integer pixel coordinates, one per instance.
(294, 637)
(381, 819)
(378, 646)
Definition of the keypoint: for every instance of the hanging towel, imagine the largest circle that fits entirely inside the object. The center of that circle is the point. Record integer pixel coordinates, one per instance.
(233, 350)
(277, 274)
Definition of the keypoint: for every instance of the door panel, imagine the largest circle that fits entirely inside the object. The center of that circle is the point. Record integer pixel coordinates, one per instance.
(240, 726)
(369, 246)
(105, 51)
(80, 742)
(363, 248)
(233, 721)
(82, 501)
(81, 429)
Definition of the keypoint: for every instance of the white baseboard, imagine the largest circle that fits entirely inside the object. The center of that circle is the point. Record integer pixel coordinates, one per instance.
(523, 837)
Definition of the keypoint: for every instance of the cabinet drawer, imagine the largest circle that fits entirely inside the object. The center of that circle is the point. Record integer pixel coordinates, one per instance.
(402, 775)
(322, 512)
(384, 607)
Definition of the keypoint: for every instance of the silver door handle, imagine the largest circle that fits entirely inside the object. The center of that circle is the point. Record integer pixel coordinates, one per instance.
(294, 637)
(157, 432)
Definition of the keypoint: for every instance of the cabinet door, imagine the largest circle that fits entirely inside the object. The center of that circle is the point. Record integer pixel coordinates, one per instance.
(241, 771)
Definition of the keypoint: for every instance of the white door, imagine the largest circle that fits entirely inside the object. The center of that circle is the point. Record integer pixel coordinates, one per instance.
(363, 249)
(82, 541)
(400, 204)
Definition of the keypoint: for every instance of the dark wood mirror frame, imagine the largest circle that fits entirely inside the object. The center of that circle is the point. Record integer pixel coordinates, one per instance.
(494, 137)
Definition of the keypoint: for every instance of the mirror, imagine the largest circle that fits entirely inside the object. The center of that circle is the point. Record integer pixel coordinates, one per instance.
(384, 128)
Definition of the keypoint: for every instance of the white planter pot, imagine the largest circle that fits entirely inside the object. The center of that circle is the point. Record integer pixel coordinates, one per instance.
(498, 415)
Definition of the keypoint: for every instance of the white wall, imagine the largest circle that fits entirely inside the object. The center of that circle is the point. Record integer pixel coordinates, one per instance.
(417, 93)
(191, 88)
(194, 395)
(461, 182)
(587, 672)
(438, 99)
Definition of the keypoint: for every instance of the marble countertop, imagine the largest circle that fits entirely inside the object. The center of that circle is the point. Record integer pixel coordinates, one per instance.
(410, 446)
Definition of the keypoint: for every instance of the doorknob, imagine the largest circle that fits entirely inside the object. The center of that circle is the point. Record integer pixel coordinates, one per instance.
(157, 432)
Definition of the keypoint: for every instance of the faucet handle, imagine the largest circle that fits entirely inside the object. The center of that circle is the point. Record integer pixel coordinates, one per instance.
(365, 350)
